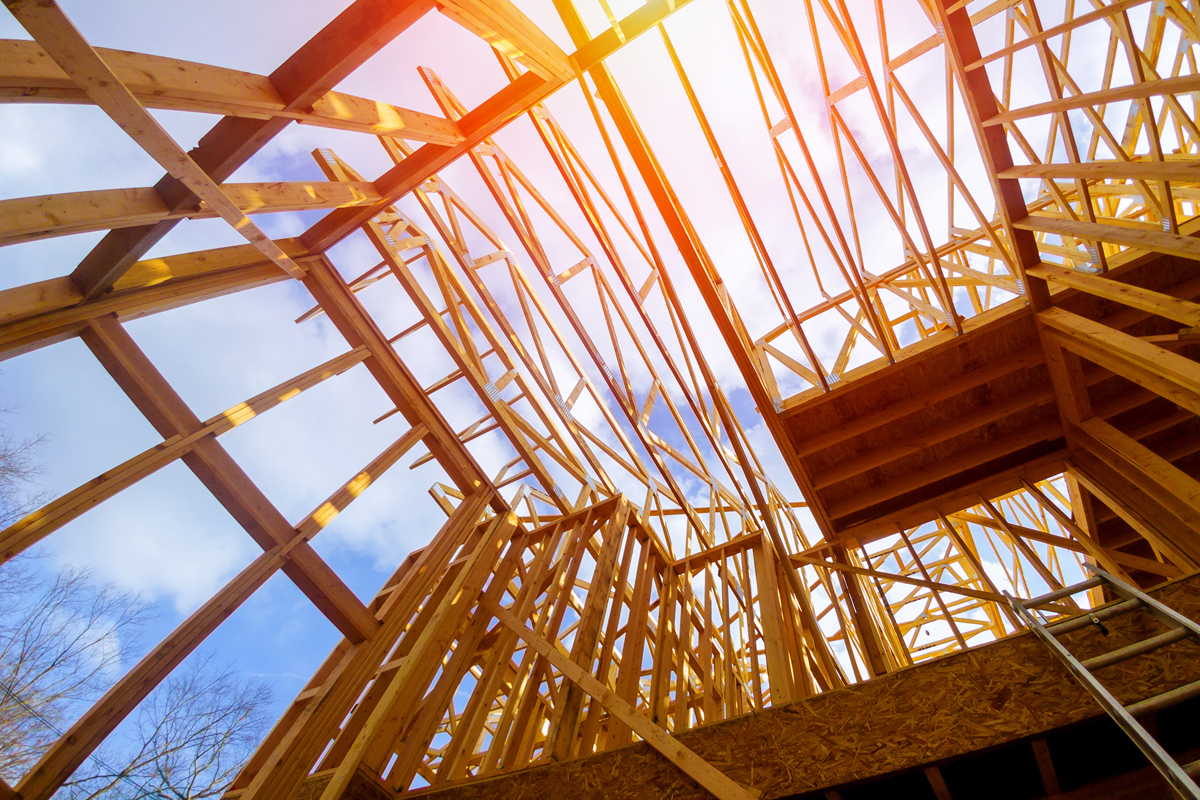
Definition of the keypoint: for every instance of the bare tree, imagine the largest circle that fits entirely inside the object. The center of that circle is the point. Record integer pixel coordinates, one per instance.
(61, 638)
(192, 736)
(19, 467)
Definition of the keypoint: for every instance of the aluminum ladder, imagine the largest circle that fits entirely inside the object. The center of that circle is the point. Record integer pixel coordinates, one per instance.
(1179, 627)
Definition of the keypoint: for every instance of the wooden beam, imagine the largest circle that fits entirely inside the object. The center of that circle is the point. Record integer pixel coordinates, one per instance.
(47, 23)
(675, 751)
(1028, 552)
(961, 461)
(926, 509)
(1165, 373)
(504, 27)
(894, 412)
(1185, 170)
(977, 418)
(29, 75)
(40, 314)
(1181, 84)
(1148, 519)
(338, 49)
(1149, 239)
(771, 609)
(229, 484)
(1158, 304)
(1021, 530)
(1157, 479)
(25, 219)
(889, 576)
(937, 783)
(1100, 554)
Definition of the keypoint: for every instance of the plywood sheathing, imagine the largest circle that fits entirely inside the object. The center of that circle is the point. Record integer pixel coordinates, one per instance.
(944, 709)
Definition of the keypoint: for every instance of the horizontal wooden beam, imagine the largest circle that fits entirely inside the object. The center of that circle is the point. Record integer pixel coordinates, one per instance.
(977, 418)
(960, 462)
(1167, 374)
(1148, 239)
(29, 75)
(905, 579)
(1025, 359)
(1158, 304)
(1021, 530)
(1187, 170)
(1181, 84)
(40, 314)
(927, 509)
(342, 46)
(1031, 38)
(24, 219)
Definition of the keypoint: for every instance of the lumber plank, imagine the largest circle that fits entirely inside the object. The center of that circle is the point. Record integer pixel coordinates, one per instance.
(1165, 373)
(700, 770)
(229, 484)
(29, 75)
(1156, 241)
(29, 218)
(1182, 311)
(52, 29)
(43, 313)
(356, 34)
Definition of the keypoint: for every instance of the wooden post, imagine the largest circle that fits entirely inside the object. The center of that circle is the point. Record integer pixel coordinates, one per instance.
(770, 605)
(697, 768)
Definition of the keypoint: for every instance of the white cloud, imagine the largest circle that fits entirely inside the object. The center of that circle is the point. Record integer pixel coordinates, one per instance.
(165, 538)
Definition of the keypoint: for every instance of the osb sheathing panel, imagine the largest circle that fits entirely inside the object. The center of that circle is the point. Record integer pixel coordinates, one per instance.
(941, 710)
(363, 786)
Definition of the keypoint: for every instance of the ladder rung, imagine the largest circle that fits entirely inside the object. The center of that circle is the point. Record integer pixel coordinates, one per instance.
(1137, 648)
(1066, 591)
(1166, 699)
(1193, 768)
(1085, 619)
